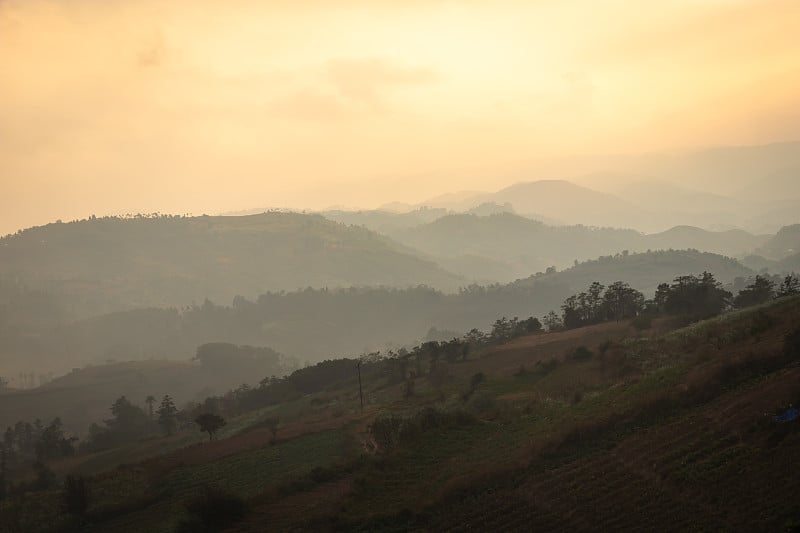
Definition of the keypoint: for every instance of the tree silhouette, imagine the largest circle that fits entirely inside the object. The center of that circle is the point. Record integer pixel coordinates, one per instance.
(790, 286)
(150, 400)
(167, 412)
(761, 290)
(210, 423)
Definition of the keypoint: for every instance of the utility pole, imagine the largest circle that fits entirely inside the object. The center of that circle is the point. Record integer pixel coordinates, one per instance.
(360, 391)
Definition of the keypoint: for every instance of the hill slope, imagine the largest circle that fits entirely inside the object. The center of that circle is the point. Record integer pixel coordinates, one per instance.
(166, 261)
(503, 247)
(644, 271)
(663, 429)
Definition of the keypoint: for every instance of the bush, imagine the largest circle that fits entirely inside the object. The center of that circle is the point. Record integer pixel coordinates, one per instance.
(581, 353)
(544, 368)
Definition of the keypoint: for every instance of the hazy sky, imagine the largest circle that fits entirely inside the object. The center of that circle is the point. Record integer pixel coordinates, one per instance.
(178, 106)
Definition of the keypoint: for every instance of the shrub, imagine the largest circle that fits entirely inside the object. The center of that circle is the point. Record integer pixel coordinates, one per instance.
(548, 366)
(581, 353)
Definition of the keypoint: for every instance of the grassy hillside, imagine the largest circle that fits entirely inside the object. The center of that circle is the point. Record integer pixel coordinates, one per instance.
(173, 261)
(664, 430)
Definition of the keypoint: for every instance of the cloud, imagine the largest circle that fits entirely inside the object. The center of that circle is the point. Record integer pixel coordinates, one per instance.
(153, 52)
(365, 80)
(349, 88)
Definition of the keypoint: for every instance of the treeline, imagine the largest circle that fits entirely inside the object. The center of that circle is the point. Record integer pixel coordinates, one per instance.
(690, 297)
(32, 444)
(395, 366)
(309, 323)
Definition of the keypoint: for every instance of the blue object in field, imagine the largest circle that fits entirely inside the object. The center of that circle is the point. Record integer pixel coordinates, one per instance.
(789, 415)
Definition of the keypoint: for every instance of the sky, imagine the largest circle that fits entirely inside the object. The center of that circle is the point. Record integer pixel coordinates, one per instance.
(123, 106)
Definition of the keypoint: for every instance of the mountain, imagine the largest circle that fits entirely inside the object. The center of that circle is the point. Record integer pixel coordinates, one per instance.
(384, 221)
(785, 243)
(173, 261)
(487, 247)
(457, 201)
(523, 245)
(573, 204)
(643, 271)
(734, 242)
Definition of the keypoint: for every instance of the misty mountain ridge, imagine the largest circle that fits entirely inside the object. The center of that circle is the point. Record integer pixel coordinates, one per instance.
(756, 188)
(173, 261)
(317, 324)
(505, 246)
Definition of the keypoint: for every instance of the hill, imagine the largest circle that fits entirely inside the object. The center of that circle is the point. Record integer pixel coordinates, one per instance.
(644, 271)
(504, 247)
(595, 427)
(784, 244)
(119, 263)
(84, 395)
(521, 245)
(384, 221)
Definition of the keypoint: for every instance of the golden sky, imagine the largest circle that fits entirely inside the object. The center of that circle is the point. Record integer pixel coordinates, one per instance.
(114, 106)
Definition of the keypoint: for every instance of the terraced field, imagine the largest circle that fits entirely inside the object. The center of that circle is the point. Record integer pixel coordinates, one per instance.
(704, 471)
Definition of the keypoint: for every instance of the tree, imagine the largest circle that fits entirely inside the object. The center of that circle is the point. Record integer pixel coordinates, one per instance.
(552, 321)
(210, 423)
(697, 297)
(761, 290)
(622, 301)
(150, 400)
(790, 286)
(167, 412)
(3, 383)
(129, 420)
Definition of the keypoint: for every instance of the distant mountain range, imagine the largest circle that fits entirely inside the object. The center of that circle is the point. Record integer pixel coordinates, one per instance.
(504, 246)
(756, 188)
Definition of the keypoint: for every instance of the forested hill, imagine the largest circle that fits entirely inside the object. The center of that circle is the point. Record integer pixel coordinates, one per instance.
(506, 246)
(145, 261)
(643, 271)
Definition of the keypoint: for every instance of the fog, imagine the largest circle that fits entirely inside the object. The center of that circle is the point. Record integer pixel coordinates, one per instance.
(399, 266)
